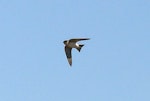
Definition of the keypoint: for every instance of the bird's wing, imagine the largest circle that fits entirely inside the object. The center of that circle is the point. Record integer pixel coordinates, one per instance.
(68, 54)
(78, 39)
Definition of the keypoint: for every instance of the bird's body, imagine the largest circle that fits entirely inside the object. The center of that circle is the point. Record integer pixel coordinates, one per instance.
(72, 43)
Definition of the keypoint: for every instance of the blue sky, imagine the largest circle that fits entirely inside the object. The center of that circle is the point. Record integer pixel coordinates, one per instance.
(113, 66)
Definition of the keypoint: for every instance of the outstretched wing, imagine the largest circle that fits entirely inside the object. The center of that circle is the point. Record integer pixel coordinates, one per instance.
(78, 39)
(68, 54)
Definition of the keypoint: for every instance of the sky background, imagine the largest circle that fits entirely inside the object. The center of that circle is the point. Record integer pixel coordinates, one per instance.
(113, 66)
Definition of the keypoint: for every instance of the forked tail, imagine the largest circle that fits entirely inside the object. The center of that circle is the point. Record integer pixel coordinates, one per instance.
(80, 46)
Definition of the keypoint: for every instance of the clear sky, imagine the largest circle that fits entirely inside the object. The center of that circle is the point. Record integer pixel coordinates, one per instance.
(113, 66)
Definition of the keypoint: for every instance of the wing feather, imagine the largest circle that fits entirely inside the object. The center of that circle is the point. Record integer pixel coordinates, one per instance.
(68, 54)
(78, 39)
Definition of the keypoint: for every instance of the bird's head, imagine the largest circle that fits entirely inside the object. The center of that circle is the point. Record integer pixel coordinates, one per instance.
(65, 42)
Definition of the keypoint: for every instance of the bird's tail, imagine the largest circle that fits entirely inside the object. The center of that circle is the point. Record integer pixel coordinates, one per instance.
(80, 46)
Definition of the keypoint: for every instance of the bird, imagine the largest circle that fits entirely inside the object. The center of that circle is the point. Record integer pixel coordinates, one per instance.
(72, 43)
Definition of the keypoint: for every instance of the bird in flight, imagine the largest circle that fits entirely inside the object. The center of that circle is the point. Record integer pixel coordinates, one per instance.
(72, 43)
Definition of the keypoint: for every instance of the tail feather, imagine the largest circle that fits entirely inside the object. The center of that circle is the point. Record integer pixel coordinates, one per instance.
(79, 49)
